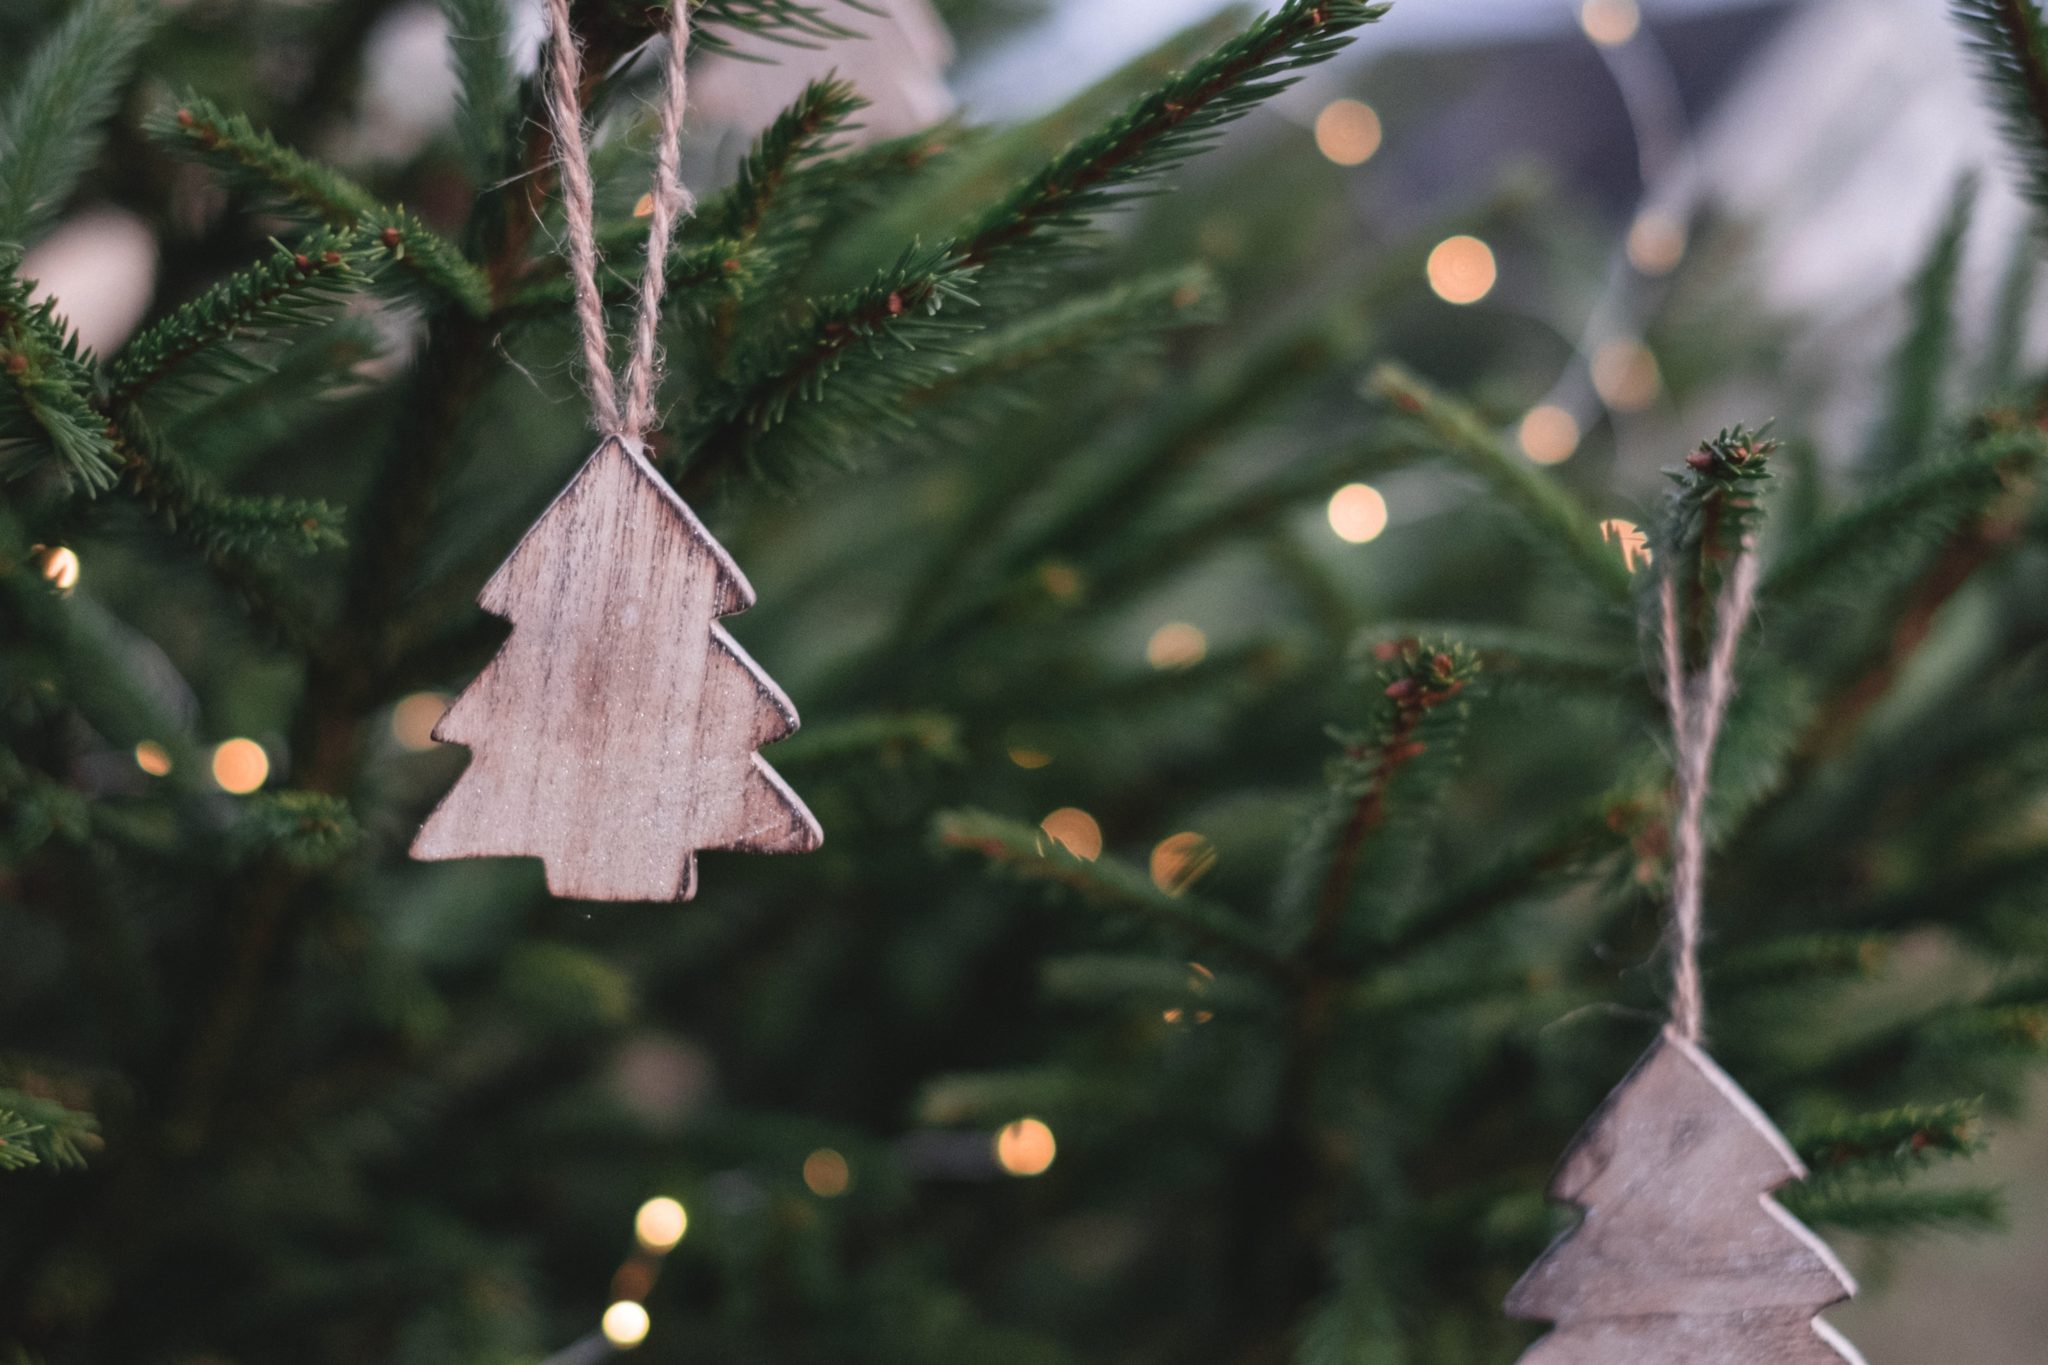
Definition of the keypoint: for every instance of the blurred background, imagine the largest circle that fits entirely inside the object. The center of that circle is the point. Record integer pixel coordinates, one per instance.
(1085, 602)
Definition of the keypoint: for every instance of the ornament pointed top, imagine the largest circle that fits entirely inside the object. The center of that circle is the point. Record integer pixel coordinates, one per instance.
(617, 473)
(1673, 1080)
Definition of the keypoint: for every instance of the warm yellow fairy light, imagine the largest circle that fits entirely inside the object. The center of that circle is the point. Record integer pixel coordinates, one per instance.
(1548, 434)
(1029, 759)
(1462, 270)
(414, 718)
(1629, 539)
(240, 766)
(643, 207)
(1200, 980)
(1625, 374)
(1176, 645)
(58, 566)
(660, 1223)
(1610, 23)
(1062, 581)
(1025, 1147)
(153, 758)
(1074, 830)
(826, 1173)
(1180, 860)
(625, 1324)
(1358, 513)
(1348, 132)
(1656, 243)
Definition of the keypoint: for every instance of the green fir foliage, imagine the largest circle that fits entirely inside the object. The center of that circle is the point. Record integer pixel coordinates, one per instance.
(1312, 893)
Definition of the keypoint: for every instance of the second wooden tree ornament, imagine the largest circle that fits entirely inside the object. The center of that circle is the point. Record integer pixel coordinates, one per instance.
(614, 734)
(1682, 1257)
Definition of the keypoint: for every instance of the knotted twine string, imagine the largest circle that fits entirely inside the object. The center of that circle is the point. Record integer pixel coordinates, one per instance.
(670, 201)
(1698, 704)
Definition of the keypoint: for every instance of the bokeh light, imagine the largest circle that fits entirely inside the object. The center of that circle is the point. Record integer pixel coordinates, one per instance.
(1176, 645)
(240, 766)
(1625, 375)
(1548, 434)
(58, 564)
(1026, 1147)
(1348, 132)
(1629, 539)
(1200, 982)
(1030, 759)
(1462, 270)
(625, 1324)
(1180, 860)
(826, 1173)
(414, 718)
(1074, 830)
(153, 758)
(1358, 513)
(1610, 23)
(1656, 242)
(660, 1223)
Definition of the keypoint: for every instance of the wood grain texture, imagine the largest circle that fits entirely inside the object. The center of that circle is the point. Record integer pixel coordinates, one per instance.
(1682, 1258)
(614, 734)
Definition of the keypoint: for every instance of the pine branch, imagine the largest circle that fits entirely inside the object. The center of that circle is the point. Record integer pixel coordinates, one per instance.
(2010, 45)
(1421, 718)
(1512, 655)
(301, 186)
(1849, 1207)
(50, 126)
(49, 381)
(296, 287)
(800, 134)
(1235, 391)
(859, 350)
(1029, 852)
(480, 43)
(1454, 430)
(1920, 365)
(255, 161)
(230, 533)
(1974, 542)
(1894, 1142)
(1578, 839)
(1715, 511)
(1116, 320)
(1164, 128)
(1912, 514)
(36, 1131)
(1801, 960)
(305, 830)
(793, 23)
(2005, 350)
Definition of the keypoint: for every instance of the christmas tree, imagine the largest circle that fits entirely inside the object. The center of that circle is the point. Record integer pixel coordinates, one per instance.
(1245, 781)
(1681, 1256)
(634, 717)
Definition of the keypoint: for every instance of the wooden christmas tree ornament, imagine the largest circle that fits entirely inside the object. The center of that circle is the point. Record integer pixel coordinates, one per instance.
(614, 734)
(1682, 1258)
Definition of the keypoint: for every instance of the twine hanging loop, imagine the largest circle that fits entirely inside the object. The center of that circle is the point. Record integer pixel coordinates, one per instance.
(670, 202)
(1697, 703)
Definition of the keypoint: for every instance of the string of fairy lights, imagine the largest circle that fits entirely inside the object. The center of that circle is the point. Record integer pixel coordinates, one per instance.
(1022, 1148)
